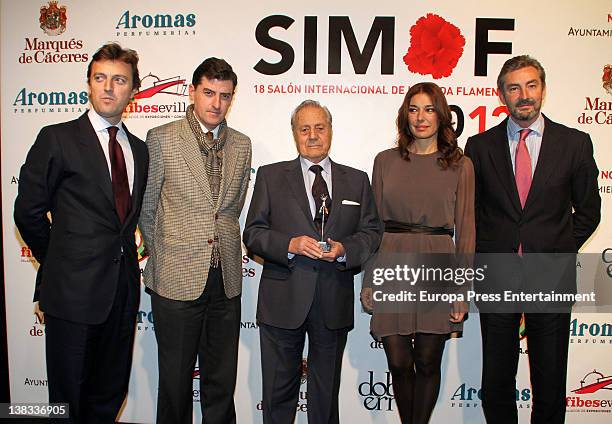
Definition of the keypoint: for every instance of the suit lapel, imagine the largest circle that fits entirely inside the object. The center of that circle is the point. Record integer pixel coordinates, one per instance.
(228, 168)
(502, 163)
(193, 157)
(338, 181)
(94, 156)
(549, 151)
(295, 180)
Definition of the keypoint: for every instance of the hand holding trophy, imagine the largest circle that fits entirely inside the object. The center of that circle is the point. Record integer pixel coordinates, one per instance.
(325, 246)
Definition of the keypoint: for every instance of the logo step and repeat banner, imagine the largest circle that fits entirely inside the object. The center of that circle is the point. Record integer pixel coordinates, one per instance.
(358, 59)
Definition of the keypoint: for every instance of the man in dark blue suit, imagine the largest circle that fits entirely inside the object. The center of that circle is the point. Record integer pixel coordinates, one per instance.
(537, 198)
(89, 174)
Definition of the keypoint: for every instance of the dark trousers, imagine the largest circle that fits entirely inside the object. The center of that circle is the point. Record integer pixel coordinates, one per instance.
(281, 363)
(547, 344)
(88, 366)
(207, 329)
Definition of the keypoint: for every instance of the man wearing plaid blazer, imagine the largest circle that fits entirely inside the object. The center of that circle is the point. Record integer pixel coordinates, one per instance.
(198, 179)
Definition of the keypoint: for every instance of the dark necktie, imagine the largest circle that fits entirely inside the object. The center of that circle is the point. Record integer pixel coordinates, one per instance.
(121, 187)
(319, 189)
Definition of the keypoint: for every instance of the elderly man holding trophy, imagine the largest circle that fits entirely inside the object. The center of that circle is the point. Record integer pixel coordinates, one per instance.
(314, 223)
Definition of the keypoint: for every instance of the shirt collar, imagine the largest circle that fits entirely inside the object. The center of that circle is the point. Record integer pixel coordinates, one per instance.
(537, 127)
(215, 130)
(325, 164)
(99, 123)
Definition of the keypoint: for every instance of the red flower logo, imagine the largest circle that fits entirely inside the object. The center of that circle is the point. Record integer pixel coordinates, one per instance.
(435, 46)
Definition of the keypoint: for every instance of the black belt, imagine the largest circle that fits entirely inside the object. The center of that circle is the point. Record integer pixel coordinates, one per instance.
(403, 227)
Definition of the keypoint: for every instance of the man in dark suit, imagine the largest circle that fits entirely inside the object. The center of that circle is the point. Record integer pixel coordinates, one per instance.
(304, 289)
(536, 194)
(89, 175)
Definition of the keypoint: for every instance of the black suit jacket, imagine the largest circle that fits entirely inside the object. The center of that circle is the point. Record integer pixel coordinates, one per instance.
(562, 209)
(565, 177)
(280, 210)
(80, 249)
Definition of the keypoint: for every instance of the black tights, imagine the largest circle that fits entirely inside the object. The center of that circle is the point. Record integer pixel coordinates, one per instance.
(414, 362)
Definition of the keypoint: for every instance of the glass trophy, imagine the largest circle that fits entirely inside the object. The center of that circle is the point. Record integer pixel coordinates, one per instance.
(325, 247)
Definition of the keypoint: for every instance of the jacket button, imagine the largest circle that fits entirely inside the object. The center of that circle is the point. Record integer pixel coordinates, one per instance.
(116, 261)
(216, 216)
(210, 241)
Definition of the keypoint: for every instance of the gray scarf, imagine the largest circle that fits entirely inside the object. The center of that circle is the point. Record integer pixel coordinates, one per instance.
(212, 155)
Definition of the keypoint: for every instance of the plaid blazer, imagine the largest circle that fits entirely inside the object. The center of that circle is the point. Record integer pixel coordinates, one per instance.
(178, 214)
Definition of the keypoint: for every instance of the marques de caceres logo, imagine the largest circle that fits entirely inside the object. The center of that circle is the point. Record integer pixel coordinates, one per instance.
(53, 18)
(592, 382)
(598, 110)
(436, 46)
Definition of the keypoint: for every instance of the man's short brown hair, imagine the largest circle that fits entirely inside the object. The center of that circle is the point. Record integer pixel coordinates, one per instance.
(113, 51)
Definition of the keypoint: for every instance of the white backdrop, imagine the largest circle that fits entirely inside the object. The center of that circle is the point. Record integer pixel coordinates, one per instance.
(44, 82)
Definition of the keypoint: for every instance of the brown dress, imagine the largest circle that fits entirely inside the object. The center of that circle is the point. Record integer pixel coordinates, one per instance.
(421, 192)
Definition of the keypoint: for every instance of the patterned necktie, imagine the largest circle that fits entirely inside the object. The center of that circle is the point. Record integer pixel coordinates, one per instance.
(121, 187)
(522, 171)
(319, 189)
(213, 171)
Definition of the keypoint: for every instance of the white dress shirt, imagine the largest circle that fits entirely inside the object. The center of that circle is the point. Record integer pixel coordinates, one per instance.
(100, 126)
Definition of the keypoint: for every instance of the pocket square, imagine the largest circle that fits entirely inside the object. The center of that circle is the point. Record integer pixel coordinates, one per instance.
(350, 202)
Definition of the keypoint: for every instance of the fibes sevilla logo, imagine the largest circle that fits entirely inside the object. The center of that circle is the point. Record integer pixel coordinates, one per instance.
(174, 86)
(591, 383)
(436, 46)
(53, 18)
(151, 86)
(26, 255)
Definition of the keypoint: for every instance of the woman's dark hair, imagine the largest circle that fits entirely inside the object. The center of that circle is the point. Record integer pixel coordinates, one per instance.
(447, 140)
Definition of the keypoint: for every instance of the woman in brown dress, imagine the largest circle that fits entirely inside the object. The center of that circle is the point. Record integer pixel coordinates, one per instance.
(424, 190)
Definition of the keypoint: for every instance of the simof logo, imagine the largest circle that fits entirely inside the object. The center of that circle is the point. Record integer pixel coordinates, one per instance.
(436, 46)
(174, 85)
(53, 18)
(606, 79)
(304, 376)
(593, 382)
